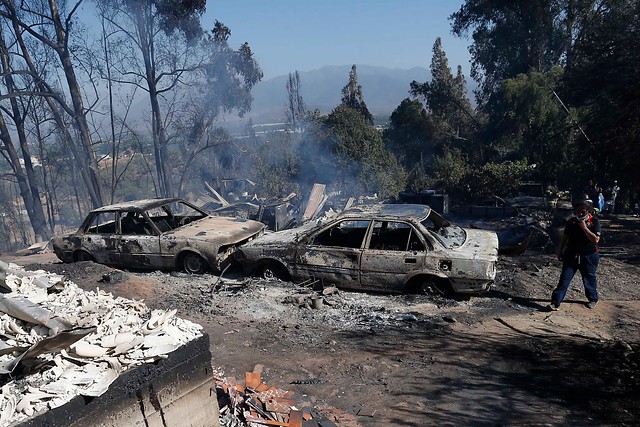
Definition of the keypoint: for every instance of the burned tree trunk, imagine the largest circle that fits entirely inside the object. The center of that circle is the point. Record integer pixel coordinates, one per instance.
(26, 178)
(31, 202)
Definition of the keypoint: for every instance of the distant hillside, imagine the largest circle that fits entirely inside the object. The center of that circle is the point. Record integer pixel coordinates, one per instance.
(383, 90)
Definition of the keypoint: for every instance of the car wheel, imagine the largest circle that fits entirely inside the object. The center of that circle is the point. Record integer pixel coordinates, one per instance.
(83, 256)
(194, 264)
(273, 271)
(429, 286)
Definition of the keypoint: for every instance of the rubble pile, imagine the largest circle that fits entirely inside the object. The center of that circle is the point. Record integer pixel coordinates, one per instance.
(59, 341)
(255, 404)
(300, 303)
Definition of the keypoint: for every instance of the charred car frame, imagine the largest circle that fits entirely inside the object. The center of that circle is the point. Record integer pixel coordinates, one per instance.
(386, 248)
(165, 233)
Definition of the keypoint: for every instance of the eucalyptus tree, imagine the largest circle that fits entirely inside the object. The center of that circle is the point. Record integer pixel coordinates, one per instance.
(191, 77)
(155, 53)
(43, 25)
(603, 82)
(220, 84)
(21, 164)
(515, 37)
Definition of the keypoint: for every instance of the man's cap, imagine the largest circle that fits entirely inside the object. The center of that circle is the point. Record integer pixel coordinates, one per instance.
(580, 203)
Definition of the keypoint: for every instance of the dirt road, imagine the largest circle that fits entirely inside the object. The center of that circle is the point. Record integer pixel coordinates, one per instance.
(498, 359)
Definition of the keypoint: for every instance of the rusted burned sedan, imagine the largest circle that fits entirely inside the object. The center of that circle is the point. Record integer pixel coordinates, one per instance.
(387, 248)
(156, 233)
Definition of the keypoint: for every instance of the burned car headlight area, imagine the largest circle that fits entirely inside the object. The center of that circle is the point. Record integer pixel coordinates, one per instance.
(389, 248)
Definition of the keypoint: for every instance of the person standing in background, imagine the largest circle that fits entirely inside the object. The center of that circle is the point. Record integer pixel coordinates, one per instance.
(613, 193)
(590, 191)
(600, 200)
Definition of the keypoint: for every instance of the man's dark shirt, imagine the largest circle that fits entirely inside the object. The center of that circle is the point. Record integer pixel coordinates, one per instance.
(578, 243)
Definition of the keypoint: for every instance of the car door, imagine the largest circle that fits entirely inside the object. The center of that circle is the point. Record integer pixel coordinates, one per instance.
(138, 242)
(333, 253)
(394, 250)
(100, 238)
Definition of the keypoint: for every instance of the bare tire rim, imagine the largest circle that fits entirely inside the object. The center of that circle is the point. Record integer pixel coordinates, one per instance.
(194, 264)
(270, 273)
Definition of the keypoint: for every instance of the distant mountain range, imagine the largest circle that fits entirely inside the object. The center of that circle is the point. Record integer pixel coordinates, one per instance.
(383, 90)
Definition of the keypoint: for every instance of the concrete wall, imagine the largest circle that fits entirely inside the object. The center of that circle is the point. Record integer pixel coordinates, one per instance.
(177, 391)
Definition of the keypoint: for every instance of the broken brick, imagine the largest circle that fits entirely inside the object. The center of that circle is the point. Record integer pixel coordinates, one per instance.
(366, 412)
(252, 379)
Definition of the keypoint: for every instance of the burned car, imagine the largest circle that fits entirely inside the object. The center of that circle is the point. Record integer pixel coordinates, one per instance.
(156, 233)
(386, 248)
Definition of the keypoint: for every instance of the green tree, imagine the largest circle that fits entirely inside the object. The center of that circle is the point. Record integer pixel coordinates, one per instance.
(352, 96)
(603, 82)
(362, 160)
(296, 111)
(457, 176)
(409, 136)
(527, 123)
(514, 37)
(409, 132)
(445, 99)
(224, 80)
(449, 171)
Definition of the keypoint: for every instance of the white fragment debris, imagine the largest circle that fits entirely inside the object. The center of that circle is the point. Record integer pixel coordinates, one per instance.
(127, 334)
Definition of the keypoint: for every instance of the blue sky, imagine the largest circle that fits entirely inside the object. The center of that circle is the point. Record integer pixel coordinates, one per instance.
(289, 35)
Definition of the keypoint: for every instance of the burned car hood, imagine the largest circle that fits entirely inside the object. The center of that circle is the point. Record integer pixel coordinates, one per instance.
(220, 229)
(283, 237)
(479, 244)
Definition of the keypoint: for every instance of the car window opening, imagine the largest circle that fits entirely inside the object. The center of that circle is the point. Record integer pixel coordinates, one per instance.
(394, 236)
(449, 235)
(103, 223)
(346, 234)
(174, 215)
(134, 223)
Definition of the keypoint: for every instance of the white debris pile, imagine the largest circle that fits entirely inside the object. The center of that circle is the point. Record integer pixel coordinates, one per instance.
(58, 341)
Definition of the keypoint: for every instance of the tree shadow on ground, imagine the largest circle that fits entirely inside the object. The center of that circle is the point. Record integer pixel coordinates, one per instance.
(506, 380)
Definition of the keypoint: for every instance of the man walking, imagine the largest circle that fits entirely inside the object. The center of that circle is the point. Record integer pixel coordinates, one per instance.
(578, 251)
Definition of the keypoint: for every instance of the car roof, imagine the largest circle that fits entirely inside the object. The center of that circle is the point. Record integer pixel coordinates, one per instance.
(399, 211)
(138, 205)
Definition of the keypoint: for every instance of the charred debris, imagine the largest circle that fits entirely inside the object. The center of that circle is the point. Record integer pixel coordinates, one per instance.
(529, 220)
